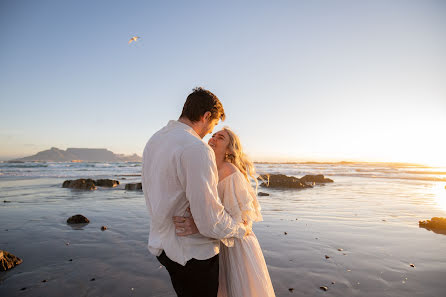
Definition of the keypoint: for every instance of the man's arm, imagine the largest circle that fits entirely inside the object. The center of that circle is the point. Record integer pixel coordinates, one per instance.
(198, 174)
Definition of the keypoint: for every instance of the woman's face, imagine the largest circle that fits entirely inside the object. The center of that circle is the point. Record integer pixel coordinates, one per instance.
(219, 142)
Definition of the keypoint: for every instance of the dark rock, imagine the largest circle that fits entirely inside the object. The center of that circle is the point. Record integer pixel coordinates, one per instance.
(8, 261)
(78, 219)
(103, 228)
(110, 183)
(134, 187)
(327, 257)
(93, 279)
(318, 179)
(262, 194)
(434, 223)
(412, 265)
(282, 181)
(6, 201)
(291, 289)
(324, 288)
(80, 184)
(44, 281)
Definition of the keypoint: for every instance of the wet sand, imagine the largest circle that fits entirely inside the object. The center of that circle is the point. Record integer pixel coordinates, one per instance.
(374, 222)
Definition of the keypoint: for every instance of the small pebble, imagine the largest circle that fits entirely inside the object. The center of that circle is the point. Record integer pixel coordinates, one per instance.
(70, 260)
(285, 233)
(103, 228)
(327, 257)
(22, 289)
(291, 289)
(340, 250)
(348, 270)
(67, 243)
(324, 288)
(93, 279)
(333, 283)
(412, 265)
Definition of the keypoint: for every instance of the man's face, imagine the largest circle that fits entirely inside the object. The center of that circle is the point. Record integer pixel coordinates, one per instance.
(210, 124)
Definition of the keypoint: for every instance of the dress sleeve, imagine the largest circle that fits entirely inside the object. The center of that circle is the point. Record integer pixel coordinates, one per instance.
(245, 206)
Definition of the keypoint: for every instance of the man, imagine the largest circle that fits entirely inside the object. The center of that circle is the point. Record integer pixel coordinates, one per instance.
(178, 173)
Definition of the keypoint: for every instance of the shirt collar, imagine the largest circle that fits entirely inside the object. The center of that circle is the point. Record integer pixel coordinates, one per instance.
(180, 125)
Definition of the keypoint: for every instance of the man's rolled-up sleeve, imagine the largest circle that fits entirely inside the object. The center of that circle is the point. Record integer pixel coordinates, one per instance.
(198, 175)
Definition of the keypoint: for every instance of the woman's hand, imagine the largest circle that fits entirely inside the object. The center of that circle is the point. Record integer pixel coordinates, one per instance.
(185, 226)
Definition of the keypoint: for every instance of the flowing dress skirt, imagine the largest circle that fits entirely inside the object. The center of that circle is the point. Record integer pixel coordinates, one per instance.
(243, 271)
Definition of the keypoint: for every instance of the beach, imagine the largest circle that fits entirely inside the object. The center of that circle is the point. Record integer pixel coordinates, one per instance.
(357, 236)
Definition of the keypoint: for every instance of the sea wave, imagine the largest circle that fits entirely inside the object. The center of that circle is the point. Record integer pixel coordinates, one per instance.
(23, 165)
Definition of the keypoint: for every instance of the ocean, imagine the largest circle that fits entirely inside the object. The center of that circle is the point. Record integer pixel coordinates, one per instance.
(358, 236)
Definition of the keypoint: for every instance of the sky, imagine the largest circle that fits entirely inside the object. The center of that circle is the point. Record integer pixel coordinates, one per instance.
(299, 80)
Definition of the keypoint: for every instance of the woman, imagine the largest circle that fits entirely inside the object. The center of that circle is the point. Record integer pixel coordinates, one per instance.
(242, 269)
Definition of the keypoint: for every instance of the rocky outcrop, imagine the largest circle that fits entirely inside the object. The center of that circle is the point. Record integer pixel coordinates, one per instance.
(282, 181)
(8, 261)
(134, 187)
(434, 224)
(89, 184)
(78, 219)
(80, 184)
(109, 183)
(318, 179)
(291, 182)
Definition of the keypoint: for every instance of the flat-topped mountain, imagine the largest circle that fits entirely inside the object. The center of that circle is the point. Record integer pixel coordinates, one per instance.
(80, 154)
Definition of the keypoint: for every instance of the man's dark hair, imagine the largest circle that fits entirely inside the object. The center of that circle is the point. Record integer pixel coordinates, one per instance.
(201, 101)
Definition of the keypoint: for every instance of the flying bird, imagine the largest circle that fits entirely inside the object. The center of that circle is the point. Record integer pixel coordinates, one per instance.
(134, 38)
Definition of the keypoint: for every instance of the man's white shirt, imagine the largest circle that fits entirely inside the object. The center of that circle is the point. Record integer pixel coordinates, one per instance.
(178, 172)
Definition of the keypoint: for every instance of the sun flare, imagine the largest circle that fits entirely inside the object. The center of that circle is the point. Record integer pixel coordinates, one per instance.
(439, 191)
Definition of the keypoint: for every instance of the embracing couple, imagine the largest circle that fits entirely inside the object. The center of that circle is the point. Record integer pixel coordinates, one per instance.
(202, 205)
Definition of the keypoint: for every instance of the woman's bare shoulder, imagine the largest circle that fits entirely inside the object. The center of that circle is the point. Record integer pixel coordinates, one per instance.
(226, 170)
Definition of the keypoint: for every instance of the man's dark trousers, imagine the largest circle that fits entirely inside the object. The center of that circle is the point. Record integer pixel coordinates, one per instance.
(198, 278)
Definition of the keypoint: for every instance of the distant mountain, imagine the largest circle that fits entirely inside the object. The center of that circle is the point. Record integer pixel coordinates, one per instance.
(80, 154)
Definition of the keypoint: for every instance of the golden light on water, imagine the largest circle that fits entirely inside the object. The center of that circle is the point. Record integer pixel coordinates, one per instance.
(439, 192)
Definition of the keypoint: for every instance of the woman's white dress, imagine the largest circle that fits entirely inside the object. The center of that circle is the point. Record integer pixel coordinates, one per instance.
(243, 271)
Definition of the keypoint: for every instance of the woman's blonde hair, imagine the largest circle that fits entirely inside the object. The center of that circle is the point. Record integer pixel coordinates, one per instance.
(237, 157)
